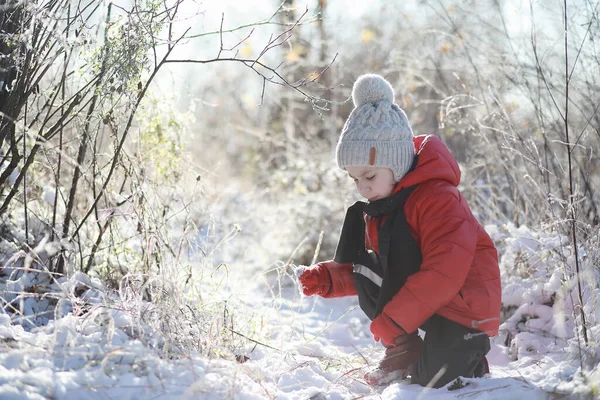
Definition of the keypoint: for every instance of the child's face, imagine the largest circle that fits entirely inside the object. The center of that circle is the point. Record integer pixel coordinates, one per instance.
(373, 183)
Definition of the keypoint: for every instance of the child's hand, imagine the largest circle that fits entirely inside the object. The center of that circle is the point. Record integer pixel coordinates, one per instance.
(314, 280)
(385, 329)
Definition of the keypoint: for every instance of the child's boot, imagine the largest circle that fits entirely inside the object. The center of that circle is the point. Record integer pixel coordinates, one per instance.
(398, 360)
(482, 368)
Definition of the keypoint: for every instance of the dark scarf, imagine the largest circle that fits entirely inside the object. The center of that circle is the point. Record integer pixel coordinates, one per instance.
(399, 254)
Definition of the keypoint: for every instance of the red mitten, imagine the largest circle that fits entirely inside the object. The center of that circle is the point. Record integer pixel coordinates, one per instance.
(315, 280)
(398, 360)
(386, 330)
(342, 279)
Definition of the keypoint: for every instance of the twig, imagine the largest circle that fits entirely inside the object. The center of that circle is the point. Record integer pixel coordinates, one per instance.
(268, 21)
(30, 160)
(252, 340)
(25, 178)
(81, 153)
(539, 64)
(221, 35)
(250, 62)
(318, 248)
(240, 42)
(62, 88)
(571, 191)
(587, 31)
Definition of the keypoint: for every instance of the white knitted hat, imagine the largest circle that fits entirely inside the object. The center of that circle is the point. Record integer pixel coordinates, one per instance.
(377, 132)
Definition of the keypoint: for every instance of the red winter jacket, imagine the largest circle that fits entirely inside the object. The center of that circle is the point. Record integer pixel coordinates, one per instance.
(459, 277)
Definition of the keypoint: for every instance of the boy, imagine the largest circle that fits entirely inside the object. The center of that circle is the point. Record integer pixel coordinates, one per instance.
(414, 253)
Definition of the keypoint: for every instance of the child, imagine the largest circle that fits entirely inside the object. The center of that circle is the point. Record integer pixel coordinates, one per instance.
(414, 253)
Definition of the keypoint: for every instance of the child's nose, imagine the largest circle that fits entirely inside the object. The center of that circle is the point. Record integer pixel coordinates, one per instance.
(363, 187)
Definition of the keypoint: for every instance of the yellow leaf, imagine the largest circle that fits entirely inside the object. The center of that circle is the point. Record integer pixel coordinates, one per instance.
(300, 187)
(246, 50)
(312, 76)
(512, 106)
(297, 52)
(250, 102)
(292, 56)
(367, 35)
(446, 47)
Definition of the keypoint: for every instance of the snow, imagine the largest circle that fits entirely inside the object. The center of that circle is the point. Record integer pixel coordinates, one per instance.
(94, 343)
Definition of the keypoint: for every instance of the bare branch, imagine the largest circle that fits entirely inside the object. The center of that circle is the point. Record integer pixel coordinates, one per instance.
(221, 35)
(241, 41)
(262, 92)
(587, 31)
(539, 64)
(587, 123)
(282, 37)
(268, 21)
(571, 209)
(276, 79)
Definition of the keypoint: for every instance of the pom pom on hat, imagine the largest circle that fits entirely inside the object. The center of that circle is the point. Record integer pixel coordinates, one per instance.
(371, 88)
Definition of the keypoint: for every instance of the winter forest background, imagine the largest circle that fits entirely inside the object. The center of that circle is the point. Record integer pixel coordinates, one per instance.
(165, 164)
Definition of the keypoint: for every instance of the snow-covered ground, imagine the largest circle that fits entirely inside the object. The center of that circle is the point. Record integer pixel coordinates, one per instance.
(265, 341)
